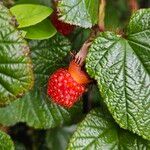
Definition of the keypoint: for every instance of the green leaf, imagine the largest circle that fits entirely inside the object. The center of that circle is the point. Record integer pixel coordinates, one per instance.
(40, 31)
(138, 35)
(142, 17)
(99, 132)
(121, 68)
(16, 76)
(82, 13)
(5, 142)
(38, 111)
(58, 138)
(41, 2)
(23, 33)
(35, 108)
(31, 15)
(47, 56)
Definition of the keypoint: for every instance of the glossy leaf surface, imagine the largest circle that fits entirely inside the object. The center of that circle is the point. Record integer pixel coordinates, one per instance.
(16, 76)
(83, 13)
(122, 70)
(98, 131)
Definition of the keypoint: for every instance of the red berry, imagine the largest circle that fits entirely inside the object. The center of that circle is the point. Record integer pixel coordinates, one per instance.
(61, 27)
(64, 89)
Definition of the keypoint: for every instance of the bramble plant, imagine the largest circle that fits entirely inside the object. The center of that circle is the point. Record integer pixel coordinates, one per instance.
(75, 75)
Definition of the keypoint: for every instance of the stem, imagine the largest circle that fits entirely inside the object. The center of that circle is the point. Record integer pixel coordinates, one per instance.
(133, 4)
(81, 55)
(101, 22)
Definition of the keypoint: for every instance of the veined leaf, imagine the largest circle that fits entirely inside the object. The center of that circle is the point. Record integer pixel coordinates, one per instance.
(138, 36)
(16, 76)
(98, 131)
(6, 142)
(30, 14)
(121, 68)
(38, 111)
(82, 13)
(35, 108)
(47, 56)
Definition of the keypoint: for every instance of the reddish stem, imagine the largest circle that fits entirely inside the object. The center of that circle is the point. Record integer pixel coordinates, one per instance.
(81, 55)
(133, 4)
